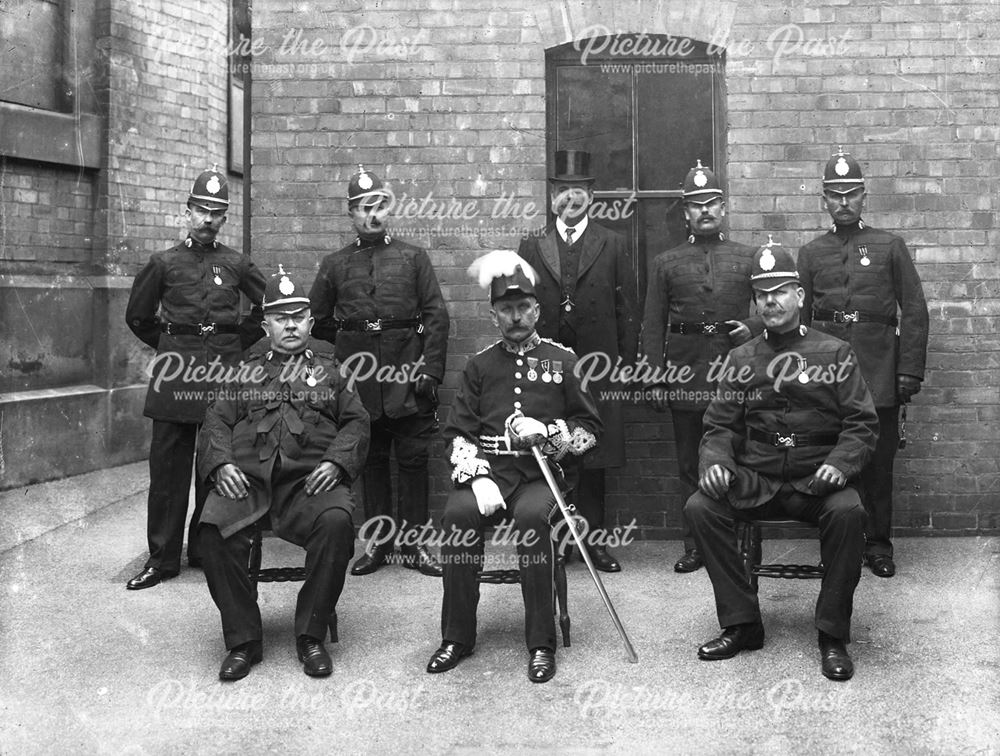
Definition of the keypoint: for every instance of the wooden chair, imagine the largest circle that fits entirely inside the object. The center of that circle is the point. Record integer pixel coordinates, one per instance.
(559, 606)
(278, 574)
(749, 537)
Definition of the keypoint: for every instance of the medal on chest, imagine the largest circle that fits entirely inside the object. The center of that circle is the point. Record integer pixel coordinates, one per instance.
(546, 375)
(218, 275)
(803, 376)
(863, 251)
(532, 364)
(557, 375)
(311, 377)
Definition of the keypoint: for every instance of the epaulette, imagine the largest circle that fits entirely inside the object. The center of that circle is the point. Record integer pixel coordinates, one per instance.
(551, 342)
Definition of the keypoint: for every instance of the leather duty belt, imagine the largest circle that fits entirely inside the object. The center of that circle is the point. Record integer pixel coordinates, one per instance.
(856, 316)
(793, 440)
(377, 326)
(499, 446)
(198, 329)
(701, 329)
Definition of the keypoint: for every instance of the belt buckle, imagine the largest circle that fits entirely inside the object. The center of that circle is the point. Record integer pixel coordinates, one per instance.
(709, 328)
(373, 326)
(845, 317)
(785, 441)
(206, 329)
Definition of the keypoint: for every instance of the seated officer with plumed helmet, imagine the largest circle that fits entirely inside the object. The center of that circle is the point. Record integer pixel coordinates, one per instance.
(790, 428)
(283, 440)
(518, 393)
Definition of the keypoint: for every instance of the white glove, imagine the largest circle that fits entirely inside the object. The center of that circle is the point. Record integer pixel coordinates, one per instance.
(488, 497)
(526, 428)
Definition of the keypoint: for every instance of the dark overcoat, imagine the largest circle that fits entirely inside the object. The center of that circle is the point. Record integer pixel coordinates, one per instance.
(274, 410)
(764, 393)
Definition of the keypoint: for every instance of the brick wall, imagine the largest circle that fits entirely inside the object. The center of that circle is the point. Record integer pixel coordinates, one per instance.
(153, 78)
(448, 103)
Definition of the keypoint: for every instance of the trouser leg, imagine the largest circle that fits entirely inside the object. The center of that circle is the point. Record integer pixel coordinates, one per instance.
(713, 525)
(841, 521)
(378, 483)
(876, 484)
(329, 549)
(171, 455)
(687, 437)
(224, 561)
(531, 506)
(412, 439)
(461, 560)
(201, 490)
(590, 498)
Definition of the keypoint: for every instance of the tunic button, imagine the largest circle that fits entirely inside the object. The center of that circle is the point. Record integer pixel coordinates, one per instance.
(517, 389)
(520, 362)
(517, 405)
(517, 374)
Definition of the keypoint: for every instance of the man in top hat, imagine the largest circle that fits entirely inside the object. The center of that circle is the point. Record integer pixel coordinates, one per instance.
(786, 436)
(697, 309)
(185, 303)
(284, 440)
(518, 393)
(379, 302)
(861, 286)
(587, 298)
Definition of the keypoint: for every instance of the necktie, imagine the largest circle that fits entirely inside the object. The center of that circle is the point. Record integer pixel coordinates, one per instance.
(569, 234)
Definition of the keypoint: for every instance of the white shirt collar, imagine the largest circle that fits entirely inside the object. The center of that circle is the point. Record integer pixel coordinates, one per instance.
(578, 229)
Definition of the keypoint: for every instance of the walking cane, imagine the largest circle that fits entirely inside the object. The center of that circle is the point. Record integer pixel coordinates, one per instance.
(544, 465)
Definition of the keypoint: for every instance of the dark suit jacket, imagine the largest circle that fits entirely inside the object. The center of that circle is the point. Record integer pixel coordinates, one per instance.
(605, 316)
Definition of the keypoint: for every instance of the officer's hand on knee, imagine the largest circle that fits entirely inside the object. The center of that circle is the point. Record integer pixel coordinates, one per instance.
(827, 478)
(715, 481)
(488, 496)
(325, 477)
(231, 482)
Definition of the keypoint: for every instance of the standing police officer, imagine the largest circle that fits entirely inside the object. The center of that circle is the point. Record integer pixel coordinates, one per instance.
(186, 305)
(697, 309)
(861, 286)
(586, 292)
(379, 302)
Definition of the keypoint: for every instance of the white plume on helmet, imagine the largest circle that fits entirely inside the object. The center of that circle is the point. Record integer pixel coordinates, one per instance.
(499, 262)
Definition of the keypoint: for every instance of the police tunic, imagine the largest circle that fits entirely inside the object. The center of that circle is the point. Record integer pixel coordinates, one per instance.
(869, 271)
(385, 280)
(706, 281)
(192, 284)
(298, 409)
(764, 395)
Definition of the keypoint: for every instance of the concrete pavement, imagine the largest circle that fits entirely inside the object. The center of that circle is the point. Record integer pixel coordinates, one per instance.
(87, 667)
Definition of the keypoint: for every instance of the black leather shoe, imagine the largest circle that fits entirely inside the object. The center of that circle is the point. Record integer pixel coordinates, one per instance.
(881, 565)
(541, 665)
(602, 560)
(749, 636)
(690, 562)
(837, 664)
(237, 664)
(419, 558)
(372, 560)
(149, 577)
(448, 656)
(312, 653)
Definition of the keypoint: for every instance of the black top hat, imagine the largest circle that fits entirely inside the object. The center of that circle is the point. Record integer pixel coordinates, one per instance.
(572, 165)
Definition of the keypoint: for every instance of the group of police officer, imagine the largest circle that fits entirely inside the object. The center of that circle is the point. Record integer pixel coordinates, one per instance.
(286, 439)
